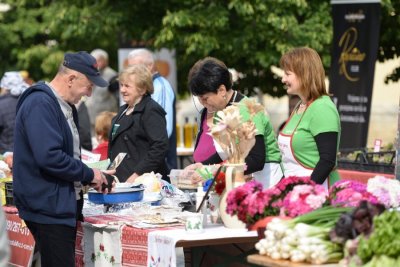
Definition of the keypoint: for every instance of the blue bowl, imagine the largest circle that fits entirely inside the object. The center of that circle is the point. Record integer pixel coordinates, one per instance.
(132, 195)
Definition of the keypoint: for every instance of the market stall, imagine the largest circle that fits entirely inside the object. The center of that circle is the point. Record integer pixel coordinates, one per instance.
(116, 240)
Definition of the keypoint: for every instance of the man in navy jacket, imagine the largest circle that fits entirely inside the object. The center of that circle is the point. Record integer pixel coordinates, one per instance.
(47, 166)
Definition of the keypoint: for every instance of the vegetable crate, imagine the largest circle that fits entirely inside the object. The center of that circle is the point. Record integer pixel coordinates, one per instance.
(362, 160)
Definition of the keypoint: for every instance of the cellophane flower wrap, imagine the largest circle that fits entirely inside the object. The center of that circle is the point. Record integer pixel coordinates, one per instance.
(251, 203)
(303, 199)
(387, 191)
(233, 133)
(348, 193)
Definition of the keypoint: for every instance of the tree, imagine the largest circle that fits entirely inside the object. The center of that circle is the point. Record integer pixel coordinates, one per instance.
(249, 36)
(389, 40)
(37, 33)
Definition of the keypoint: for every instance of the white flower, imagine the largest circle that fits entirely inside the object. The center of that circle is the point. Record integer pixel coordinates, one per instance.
(235, 135)
(386, 190)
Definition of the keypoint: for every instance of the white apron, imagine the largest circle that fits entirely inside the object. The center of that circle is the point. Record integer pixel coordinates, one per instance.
(291, 166)
(270, 175)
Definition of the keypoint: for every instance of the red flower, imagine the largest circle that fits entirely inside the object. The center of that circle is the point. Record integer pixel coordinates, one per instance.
(101, 247)
(220, 183)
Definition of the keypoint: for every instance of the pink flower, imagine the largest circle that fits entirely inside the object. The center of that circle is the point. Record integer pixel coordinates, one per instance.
(250, 203)
(349, 193)
(303, 199)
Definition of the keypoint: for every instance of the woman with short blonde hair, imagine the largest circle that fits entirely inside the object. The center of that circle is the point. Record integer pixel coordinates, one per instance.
(139, 129)
(143, 77)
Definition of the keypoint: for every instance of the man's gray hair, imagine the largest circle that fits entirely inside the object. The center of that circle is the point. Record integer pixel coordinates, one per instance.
(146, 56)
(98, 53)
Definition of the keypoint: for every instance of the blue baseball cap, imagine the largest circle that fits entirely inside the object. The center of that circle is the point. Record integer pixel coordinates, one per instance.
(86, 64)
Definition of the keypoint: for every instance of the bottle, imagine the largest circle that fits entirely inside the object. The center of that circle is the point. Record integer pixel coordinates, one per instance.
(188, 134)
(178, 134)
(195, 129)
(199, 196)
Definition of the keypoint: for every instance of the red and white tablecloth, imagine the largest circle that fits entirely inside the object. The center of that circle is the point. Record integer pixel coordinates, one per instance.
(107, 240)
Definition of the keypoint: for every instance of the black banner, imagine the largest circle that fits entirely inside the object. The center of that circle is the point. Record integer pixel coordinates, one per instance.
(355, 47)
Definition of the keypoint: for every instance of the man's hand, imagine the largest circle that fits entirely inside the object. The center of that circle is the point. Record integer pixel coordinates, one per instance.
(98, 180)
(111, 180)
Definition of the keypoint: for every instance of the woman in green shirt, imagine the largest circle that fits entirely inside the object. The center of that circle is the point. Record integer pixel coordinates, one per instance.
(211, 82)
(309, 141)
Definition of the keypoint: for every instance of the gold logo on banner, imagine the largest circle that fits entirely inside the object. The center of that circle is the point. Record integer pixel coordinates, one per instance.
(349, 53)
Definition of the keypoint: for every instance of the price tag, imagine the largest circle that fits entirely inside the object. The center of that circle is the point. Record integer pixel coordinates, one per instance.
(377, 145)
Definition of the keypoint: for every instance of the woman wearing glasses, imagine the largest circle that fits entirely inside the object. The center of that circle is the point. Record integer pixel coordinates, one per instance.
(211, 81)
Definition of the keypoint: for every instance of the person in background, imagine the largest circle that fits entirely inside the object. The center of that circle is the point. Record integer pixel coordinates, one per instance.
(84, 125)
(13, 85)
(102, 129)
(211, 81)
(102, 99)
(4, 243)
(139, 127)
(163, 95)
(47, 171)
(309, 140)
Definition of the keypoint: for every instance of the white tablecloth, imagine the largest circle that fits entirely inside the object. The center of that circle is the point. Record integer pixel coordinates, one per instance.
(162, 244)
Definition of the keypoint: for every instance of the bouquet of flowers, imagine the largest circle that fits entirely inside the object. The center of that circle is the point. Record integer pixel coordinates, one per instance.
(303, 199)
(219, 184)
(244, 200)
(349, 193)
(233, 133)
(250, 203)
(387, 191)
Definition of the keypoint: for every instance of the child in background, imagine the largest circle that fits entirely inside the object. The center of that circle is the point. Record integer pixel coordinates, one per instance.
(102, 128)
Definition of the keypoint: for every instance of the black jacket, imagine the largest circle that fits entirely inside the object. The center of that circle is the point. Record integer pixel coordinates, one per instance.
(144, 138)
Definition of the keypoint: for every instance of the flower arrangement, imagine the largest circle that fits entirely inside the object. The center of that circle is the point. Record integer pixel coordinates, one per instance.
(387, 191)
(379, 189)
(219, 184)
(303, 199)
(251, 203)
(235, 134)
(245, 200)
(348, 193)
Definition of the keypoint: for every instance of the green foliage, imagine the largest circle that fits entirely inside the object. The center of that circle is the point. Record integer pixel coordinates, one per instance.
(37, 33)
(248, 35)
(389, 40)
(384, 240)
